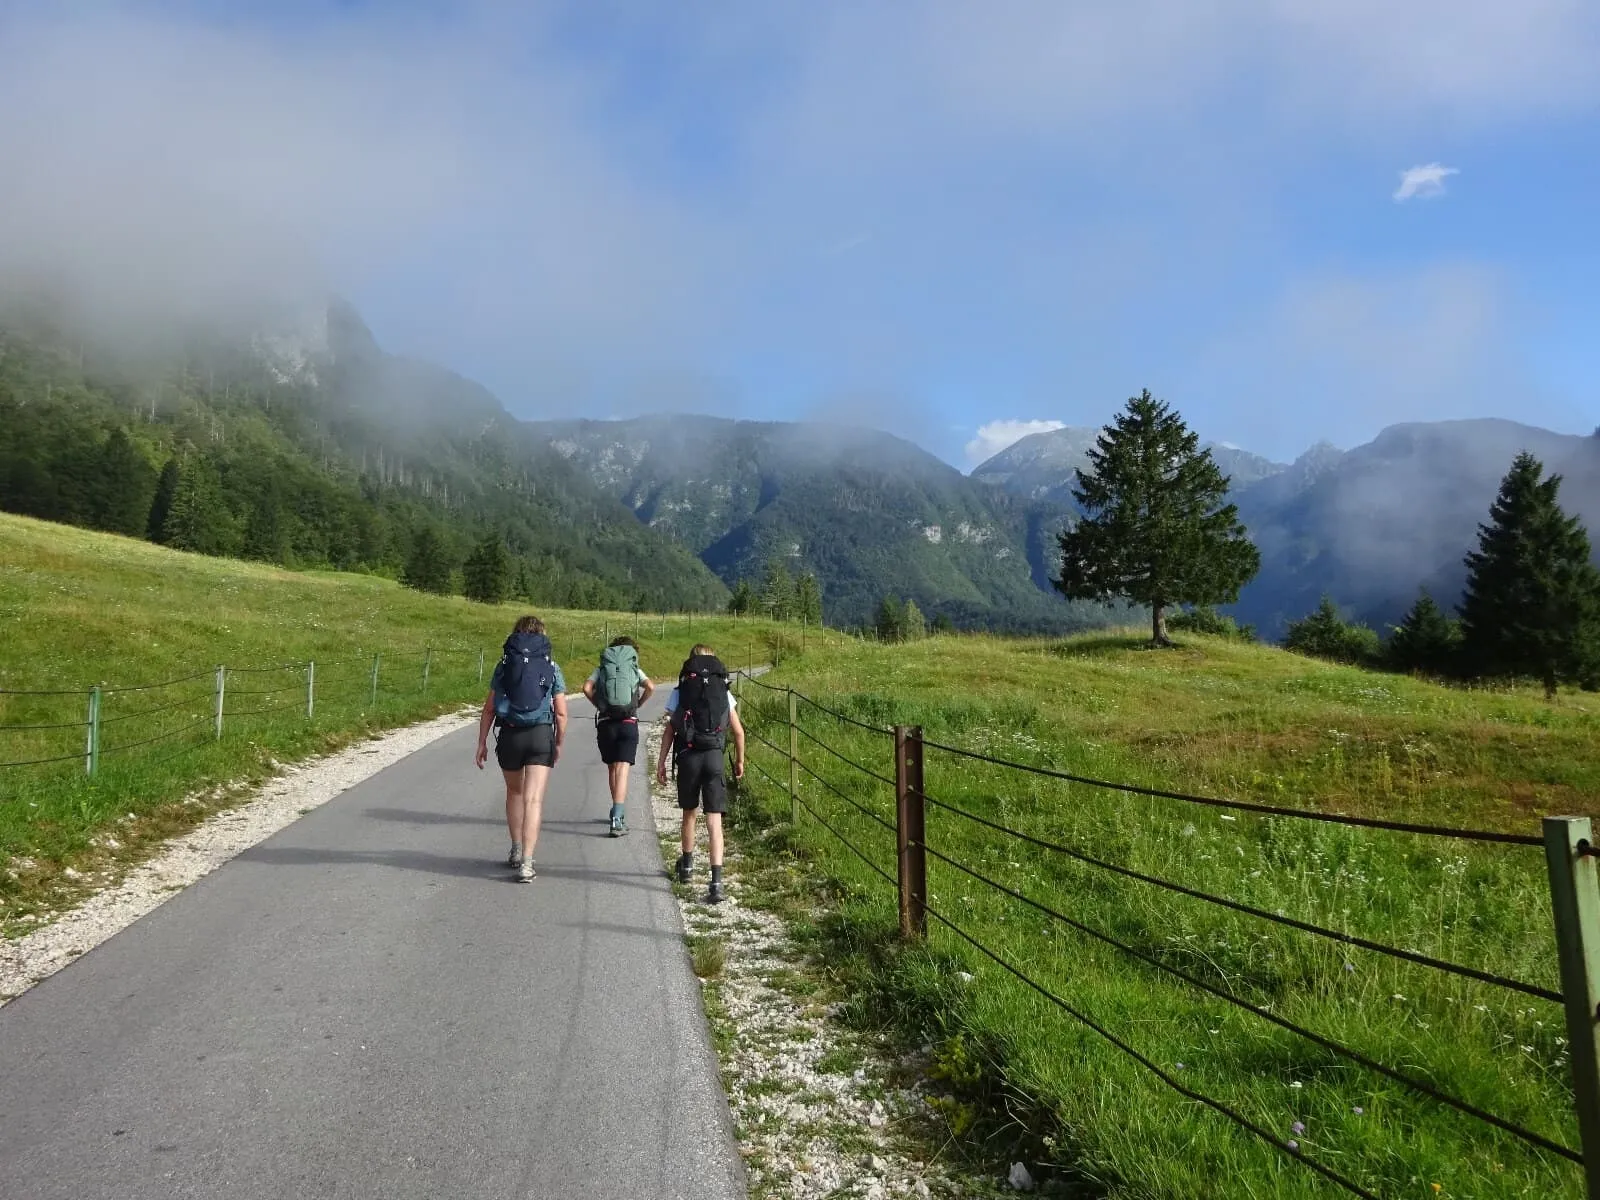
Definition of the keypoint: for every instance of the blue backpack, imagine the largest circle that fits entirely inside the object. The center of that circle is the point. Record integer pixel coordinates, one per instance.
(527, 679)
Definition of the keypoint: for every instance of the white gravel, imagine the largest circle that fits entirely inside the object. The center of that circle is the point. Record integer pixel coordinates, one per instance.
(815, 1104)
(35, 956)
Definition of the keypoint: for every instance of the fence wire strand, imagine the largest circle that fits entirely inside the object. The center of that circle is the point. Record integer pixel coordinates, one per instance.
(48, 725)
(849, 762)
(1348, 939)
(1304, 814)
(160, 737)
(1417, 1085)
(839, 716)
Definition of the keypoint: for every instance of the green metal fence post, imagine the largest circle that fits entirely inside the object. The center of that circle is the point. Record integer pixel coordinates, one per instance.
(91, 745)
(375, 659)
(1575, 898)
(311, 689)
(222, 684)
(427, 662)
(480, 664)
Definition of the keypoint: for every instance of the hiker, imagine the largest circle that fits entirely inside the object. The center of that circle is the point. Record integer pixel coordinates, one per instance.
(527, 705)
(616, 689)
(700, 712)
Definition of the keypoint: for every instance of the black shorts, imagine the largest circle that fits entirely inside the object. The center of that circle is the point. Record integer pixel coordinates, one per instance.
(700, 781)
(518, 746)
(619, 741)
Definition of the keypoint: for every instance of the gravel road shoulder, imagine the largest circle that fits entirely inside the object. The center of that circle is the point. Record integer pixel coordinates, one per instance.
(37, 955)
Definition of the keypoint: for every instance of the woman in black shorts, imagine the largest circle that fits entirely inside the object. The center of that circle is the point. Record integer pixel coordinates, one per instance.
(527, 744)
(617, 733)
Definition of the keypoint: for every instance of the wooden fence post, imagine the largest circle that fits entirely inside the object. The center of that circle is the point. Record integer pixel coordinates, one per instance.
(794, 758)
(222, 684)
(909, 824)
(91, 744)
(1575, 897)
(311, 689)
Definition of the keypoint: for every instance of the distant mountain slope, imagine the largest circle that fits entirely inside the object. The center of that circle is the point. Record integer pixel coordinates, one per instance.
(1043, 466)
(325, 451)
(1372, 525)
(869, 513)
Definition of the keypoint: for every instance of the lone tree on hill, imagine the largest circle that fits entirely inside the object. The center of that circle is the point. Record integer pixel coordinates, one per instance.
(428, 565)
(1532, 605)
(1425, 640)
(486, 575)
(808, 599)
(1156, 528)
(741, 601)
(777, 592)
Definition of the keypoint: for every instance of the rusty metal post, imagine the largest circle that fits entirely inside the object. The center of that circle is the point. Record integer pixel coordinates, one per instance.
(794, 758)
(909, 827)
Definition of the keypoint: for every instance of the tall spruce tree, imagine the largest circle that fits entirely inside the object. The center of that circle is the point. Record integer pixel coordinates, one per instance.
(123, 487)
(808, 599)
(487, 571)
(161, 505)
(777, 592)
(912, 623)
(891, 622)
(199, 519)
(1157, 529)
(428, 566)
(742, 599)
(1532, 604)
(1425, 640)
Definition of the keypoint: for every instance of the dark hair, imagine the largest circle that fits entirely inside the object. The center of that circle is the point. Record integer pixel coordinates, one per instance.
(624, 640)
(529, 624)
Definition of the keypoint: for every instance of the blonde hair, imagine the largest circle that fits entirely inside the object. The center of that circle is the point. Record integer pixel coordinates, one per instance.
(702, 648)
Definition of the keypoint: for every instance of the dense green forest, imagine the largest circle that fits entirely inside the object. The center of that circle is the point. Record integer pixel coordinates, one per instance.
(354, 460)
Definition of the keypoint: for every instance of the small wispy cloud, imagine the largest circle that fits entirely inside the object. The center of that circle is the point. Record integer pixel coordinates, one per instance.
(997, 435)
(848, 244)
(1420, 183)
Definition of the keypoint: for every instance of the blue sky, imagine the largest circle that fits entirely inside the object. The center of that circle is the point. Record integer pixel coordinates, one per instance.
(943, 219)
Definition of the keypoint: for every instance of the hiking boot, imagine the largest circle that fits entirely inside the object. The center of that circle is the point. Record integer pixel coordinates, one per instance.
(685, 866)
(514, 859)
(715, 893)
(619, 820)
(525, 870)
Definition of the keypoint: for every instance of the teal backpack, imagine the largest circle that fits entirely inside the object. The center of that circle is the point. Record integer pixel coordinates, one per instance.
(619, 682)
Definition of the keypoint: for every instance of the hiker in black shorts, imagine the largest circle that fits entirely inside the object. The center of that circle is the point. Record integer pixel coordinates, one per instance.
(616, 689)
(527, 705)
(700, 712)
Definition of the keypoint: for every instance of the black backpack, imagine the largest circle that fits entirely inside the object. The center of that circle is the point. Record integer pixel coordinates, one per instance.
(527, 680)
(702, 704)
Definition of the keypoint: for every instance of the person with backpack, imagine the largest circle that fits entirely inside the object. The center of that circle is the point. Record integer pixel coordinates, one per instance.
(527, 705)
(700, 714)
(616, 689)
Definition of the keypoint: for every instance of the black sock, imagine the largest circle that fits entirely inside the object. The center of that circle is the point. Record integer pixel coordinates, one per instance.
(686, 861)
(716, 874)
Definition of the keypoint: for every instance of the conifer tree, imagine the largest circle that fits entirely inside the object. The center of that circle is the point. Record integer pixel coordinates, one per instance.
(891, 623)
(1325, 634)
(123, 487)
(913, 624)
(777, 592)
(199, 519)
(1156, 528)
(808, 599)
(428, 566)
(1532, 604)
(487, 571)
(740, 602)
(1425, 640)
(161, 505)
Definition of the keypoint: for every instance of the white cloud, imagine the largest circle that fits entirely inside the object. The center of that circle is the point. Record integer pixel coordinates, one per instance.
(997, 435)
(1423, 182)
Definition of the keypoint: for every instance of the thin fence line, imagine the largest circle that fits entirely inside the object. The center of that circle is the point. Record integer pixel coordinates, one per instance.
(861, 808)
(767, 744)
(1242, 1121)
(848, 844)
(289, 666)
(1475, 835)
(271, 709)
(150, 687)
(839, 716)
(50, 725)
(1349, 939)
(37, 762)
(161, 737)
(159, 708)
(293, 687)
(53, 692)
(847, 761)
(1326, 1043)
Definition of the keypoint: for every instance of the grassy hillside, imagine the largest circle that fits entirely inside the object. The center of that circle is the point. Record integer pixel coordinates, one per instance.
(1243, 722)
(79, 608)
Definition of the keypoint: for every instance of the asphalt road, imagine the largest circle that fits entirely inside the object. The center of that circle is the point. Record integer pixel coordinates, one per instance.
(366, 1005)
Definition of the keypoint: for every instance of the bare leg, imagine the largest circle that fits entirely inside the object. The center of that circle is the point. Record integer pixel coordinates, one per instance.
(535, 779)
(619, 782)
(514, 805)
(714, 828)
(687, 844)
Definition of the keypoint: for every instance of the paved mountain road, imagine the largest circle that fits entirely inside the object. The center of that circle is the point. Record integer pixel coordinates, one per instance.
(366, 1005)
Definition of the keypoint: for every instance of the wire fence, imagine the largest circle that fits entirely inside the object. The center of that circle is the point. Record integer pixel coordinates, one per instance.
(1570, 865)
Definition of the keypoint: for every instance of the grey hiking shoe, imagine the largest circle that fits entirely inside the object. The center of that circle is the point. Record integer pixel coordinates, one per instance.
(685, 866)
(715, 893)
(619, 820)
(514, 859)
(525, 871)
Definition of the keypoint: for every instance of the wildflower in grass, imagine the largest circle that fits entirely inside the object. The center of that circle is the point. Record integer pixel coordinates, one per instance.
(1298, 1127)
(1297, 1084)
(1358, 1110)
(1293, 1145)
(1177, 1066)
(1349, 966)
